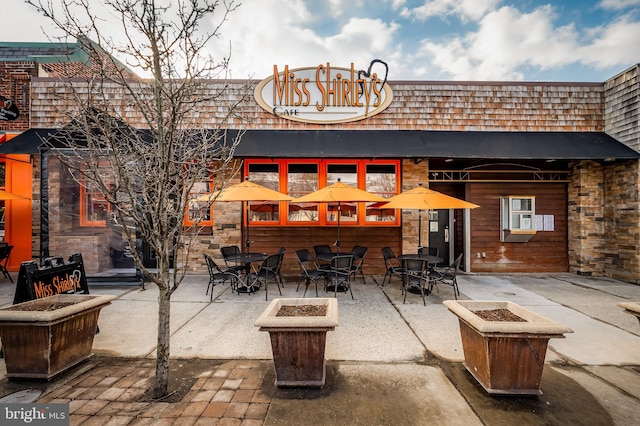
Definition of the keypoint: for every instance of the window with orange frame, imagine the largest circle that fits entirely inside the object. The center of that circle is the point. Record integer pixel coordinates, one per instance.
(94, 208)
(297, 177)
(199, 211)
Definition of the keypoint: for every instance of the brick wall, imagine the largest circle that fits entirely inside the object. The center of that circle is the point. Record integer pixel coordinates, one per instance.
(14, 85)
(36, 225)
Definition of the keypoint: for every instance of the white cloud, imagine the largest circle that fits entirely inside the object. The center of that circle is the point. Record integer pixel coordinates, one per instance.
(505, 41)
(618, 4)
(508, 42)
(261, 33)
(342, 7)
(25, 24)
(264, 35)
(465, 9)
(613, 45)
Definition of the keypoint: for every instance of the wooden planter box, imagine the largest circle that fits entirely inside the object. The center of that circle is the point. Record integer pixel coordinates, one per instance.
(504, 357)
(298, 342)
(40, 342)
(632, 308)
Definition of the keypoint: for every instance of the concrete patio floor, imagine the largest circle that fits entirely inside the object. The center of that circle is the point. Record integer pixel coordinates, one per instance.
(388, 362)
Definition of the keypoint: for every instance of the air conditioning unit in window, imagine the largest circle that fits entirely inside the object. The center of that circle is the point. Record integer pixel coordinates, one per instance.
(517, 217)
(509, 236)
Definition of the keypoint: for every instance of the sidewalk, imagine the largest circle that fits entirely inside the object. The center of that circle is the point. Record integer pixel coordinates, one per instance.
(388, 362)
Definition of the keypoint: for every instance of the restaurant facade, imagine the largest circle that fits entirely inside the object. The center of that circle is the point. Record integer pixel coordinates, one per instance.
(553, 166)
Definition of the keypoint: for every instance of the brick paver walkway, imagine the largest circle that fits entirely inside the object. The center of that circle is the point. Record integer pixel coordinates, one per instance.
(111, 393)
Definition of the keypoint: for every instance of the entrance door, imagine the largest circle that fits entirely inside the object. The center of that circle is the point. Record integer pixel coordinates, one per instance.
(440, 233)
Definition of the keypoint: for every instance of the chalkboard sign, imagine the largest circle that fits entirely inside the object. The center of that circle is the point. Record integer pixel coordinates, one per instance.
(55, 277)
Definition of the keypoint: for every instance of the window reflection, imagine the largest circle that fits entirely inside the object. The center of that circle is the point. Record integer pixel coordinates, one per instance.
(199, 211)
(302, 179)
(94, 208)
(381, 179)
(347, 174)
(267, 175)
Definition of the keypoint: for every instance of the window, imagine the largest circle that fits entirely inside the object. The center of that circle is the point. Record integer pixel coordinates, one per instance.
(266, 175)
(94, 208)
(298, 177)
(347, 174)
(302, 179)
(518, 213)
(3, 169)
(381, 179)
(199, 212)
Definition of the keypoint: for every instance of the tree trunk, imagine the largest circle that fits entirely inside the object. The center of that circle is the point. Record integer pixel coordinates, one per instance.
(161, 385)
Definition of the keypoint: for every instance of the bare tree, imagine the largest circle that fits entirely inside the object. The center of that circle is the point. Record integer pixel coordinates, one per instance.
(147, 172)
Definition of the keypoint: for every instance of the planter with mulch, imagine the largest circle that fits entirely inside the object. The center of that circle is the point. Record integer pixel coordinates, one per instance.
(42, 338)
(504, 344)
(298, 328)
(632, 308)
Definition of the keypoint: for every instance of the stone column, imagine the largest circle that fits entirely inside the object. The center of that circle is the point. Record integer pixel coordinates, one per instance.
(412, 175)
(586, 219)
(622, 221)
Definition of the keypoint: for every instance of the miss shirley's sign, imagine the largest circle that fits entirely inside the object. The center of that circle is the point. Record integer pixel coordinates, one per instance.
(324, 94)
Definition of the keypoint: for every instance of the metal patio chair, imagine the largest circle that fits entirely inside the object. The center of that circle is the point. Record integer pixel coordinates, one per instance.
(392, 264)
(415, 277)
(268, 271)
(309, 270)
(230, 255)
(217, 275)
(5, 252)
(339, 275)
(447, 276)
(359, 253)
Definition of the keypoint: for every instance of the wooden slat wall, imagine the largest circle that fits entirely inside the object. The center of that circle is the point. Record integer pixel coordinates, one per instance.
(269, 239)
(545, 252)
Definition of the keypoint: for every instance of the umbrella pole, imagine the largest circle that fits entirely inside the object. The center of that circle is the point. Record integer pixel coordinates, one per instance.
(248, 243)
(419, 229)
(338, 241)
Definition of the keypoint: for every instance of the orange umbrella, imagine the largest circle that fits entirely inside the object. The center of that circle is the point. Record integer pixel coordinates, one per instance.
(4, 195)
(422, 198)
(339, 193)
(244, 191)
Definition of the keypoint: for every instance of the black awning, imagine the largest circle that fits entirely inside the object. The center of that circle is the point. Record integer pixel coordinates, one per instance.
(27, 142)
(400, 144)
(421, 144)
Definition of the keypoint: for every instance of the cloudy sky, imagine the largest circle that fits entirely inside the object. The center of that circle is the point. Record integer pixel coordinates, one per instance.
(499, 40)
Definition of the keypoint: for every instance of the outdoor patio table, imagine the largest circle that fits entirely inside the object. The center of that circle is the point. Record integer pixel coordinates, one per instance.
(431, 260)
(247, 259)
(326, 257)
